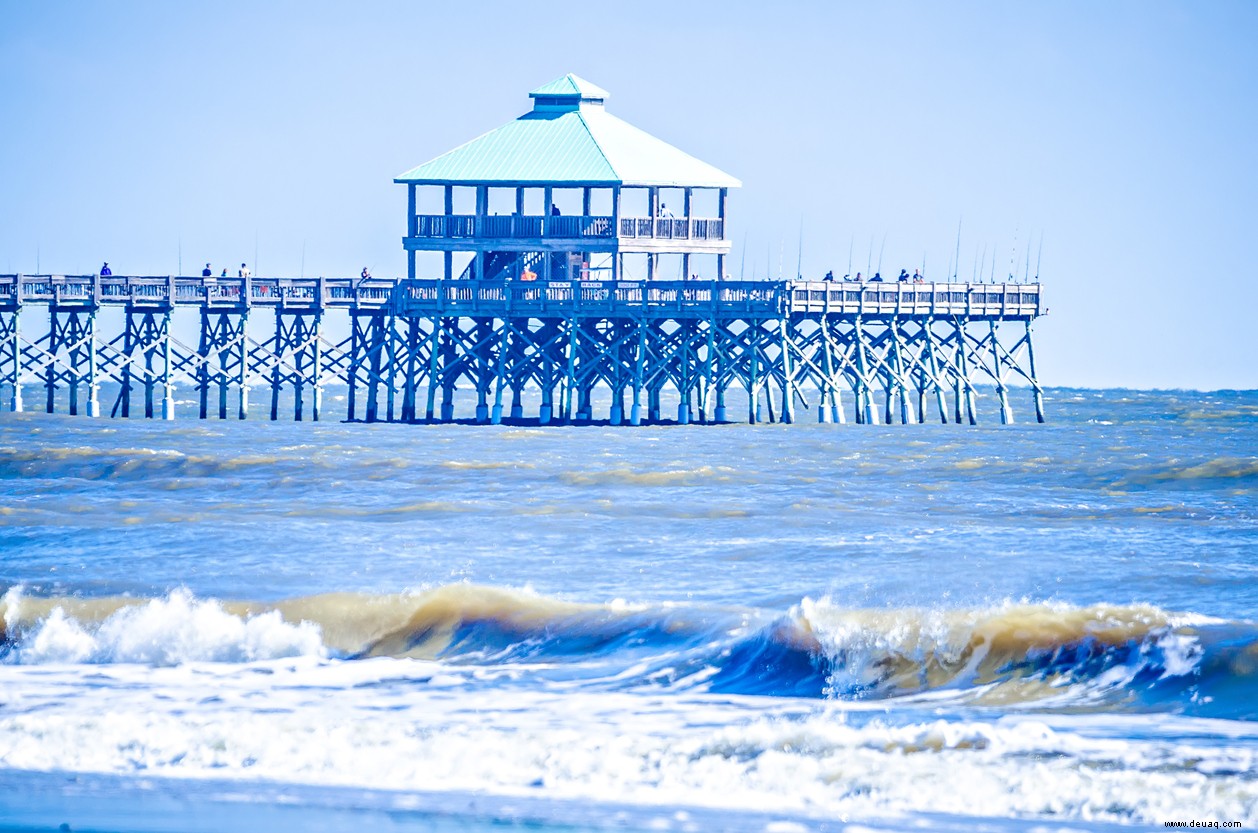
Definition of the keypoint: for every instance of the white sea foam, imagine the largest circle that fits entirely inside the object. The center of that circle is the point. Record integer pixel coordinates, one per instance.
(166, 631)
(387, 724)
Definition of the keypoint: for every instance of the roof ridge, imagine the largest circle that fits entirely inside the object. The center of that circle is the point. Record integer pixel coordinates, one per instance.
(599, 145)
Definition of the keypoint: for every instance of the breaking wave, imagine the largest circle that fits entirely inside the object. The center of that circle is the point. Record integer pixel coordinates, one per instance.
(1132, 657)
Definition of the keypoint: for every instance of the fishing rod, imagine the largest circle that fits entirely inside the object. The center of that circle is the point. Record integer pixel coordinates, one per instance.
(957, 263)
(1026, 270)
(850, 243)
(742, 267)
(799, 261)
(1013, 255)
(303, 258)
(882, 249)
(869, 264)
(974, 265)
(1038, 255)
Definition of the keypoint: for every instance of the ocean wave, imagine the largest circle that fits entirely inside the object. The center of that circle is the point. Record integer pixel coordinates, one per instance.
(1220, 472)
(1104, 657)
(170, 630)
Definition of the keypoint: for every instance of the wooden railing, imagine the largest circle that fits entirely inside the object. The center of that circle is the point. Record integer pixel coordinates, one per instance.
(512, 226)
(669, 228)
(916, 299)
(515, 297)
(556, 226)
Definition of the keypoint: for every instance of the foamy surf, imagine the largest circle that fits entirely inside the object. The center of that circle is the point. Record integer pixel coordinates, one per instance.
(1105, 657)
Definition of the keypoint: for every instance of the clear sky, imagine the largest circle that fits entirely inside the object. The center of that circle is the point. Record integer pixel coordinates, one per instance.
(1122, 134)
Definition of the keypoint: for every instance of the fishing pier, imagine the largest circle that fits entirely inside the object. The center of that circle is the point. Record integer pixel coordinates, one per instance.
(565, 281)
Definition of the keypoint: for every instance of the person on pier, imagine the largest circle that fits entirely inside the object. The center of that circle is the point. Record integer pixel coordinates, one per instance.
(207, 272)
(876, 278)
(366, 275)
(105, 270)
(904, 276)
(859, 279)
(244, 272)
(917, 277)
(829, 276)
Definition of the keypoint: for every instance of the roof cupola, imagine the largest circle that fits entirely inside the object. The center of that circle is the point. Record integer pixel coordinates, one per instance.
(568, 92)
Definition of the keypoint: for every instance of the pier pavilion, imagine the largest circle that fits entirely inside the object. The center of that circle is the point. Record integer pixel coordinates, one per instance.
(552, 306)
(569, 144)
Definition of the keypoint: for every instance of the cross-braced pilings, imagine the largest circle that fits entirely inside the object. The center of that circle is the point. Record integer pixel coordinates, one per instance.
(477, 350)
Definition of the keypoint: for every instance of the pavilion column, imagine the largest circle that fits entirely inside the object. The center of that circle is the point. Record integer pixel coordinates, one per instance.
(519, 212)
(685, 213)
(412, 228)
(653, 209)
(548, 203)
(449, 208)
(482, 208)
(585, 201)
(617, 258)
(720, 213)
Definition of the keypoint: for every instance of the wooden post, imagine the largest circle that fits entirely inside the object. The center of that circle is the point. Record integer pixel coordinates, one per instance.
(168, 390)
(277, 380)
(585, 201)
(482, 209)
(243, 379)
(933, 364)
(720, 213)
(495, 417)
(788, 390)
(449, 211)
(433, 358)
(639, 370)
(93, 365)
(374, 355)
(1006, 415)
(412, 228)
(1035, 380)
(15, 340)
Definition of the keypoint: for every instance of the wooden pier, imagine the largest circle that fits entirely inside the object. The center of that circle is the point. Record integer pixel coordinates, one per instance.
(436, 350)
(553, 201)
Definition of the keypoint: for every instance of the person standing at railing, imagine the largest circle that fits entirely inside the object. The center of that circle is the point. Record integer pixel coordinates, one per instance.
(365, 276)
(829, 276)
(224, 272)
(244, 272)
(105, 271)
(917, 277)
(904, 276)
(665, 213)
(859, 279)
(207, 272)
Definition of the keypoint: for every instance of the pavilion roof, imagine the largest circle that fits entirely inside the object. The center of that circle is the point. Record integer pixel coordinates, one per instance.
(568, 139)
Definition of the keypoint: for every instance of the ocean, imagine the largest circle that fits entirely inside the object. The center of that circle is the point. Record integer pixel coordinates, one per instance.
(257, 626)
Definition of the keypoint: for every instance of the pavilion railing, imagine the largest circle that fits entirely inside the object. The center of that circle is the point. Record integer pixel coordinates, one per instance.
(671, 228)
(566, 227)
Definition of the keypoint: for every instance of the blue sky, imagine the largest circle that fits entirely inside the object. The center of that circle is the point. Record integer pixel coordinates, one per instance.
(1123, 134)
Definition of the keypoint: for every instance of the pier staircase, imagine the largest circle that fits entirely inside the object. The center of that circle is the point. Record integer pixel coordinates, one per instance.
(509, 265)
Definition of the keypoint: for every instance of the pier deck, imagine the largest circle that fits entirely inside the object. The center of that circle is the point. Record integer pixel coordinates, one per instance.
(794, 343)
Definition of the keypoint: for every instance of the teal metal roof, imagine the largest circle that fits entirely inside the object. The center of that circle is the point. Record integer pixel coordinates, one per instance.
(579, 143)
(570, 85)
